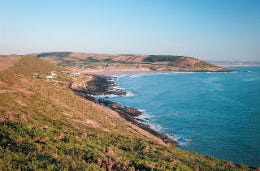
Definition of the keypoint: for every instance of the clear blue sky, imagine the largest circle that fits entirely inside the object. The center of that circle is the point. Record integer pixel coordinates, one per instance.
(207, 29)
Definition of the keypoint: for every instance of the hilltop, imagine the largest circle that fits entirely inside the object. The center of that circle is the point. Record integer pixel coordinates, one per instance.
(45, 126)
(128, 62)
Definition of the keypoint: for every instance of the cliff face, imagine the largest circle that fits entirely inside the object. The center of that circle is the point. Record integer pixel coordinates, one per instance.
(44, 125)
(129, 62)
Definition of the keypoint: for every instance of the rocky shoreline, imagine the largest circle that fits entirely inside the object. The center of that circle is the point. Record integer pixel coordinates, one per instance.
(105, 85)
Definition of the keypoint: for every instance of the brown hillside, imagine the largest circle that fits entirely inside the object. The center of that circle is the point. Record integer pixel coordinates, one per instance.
(45, 126)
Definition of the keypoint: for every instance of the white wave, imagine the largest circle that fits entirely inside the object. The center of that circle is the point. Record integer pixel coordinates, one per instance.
(116, 87)
(134, 76)
(145, 115)
(129, 94)
(105, 96)
(183, 141)
(156, 126)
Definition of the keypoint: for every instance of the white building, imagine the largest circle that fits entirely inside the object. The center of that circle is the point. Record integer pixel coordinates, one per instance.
(75, 74)
(52, 75)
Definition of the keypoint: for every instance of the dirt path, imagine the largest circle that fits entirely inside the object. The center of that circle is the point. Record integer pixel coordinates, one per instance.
(7, 62)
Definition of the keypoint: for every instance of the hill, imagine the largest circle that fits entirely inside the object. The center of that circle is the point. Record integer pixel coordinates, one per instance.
(123, 62)
(45, 126)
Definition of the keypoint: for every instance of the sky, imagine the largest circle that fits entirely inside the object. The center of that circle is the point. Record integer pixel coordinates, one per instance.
(206, 29)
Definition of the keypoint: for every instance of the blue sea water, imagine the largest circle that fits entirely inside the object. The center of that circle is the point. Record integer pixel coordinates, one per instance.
(215, 114)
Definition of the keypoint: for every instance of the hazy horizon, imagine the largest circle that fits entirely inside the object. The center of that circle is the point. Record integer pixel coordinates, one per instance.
(205, 29)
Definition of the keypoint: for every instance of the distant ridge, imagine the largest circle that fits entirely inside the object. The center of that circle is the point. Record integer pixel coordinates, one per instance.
(130, 61)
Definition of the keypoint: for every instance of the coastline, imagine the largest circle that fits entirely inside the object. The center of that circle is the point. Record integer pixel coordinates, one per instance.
(114, 71)
(102, 85)
(122, 72)
(88, 127)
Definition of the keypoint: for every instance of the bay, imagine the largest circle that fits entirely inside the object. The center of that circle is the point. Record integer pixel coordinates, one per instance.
(215, 114)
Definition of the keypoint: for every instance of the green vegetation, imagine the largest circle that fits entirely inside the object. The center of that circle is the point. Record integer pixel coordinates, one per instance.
(58, 54)
(161, 58)
(107, 60)
(88, 62)
(91, 59)
(44, 126)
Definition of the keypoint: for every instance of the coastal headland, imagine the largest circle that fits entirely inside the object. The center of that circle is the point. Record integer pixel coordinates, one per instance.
(93, 63)
(51, 119)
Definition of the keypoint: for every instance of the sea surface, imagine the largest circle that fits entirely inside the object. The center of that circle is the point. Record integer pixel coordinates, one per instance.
(215, 114)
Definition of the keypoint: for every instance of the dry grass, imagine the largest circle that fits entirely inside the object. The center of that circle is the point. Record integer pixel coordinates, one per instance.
(51, 128)
(7, 62)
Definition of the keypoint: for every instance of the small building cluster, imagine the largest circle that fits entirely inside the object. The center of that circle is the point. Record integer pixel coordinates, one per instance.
(52, 75)
(35, 74)
(74, 74)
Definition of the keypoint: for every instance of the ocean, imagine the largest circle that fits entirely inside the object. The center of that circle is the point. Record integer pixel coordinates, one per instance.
(215, 114)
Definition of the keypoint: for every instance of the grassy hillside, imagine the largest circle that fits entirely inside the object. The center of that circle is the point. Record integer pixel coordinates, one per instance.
(28, 65)
(44, 126)
(129, 62)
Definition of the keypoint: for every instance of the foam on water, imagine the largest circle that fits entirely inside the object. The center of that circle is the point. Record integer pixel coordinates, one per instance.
(105, 96)
(135, 76)
(183, 141)
(129, 94)
(156, 126)
(145, 116)
(116, 87)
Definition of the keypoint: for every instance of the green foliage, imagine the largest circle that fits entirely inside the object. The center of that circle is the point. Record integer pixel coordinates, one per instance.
(58, 54)
(161, 58)
(91, 59)
(107, 60)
